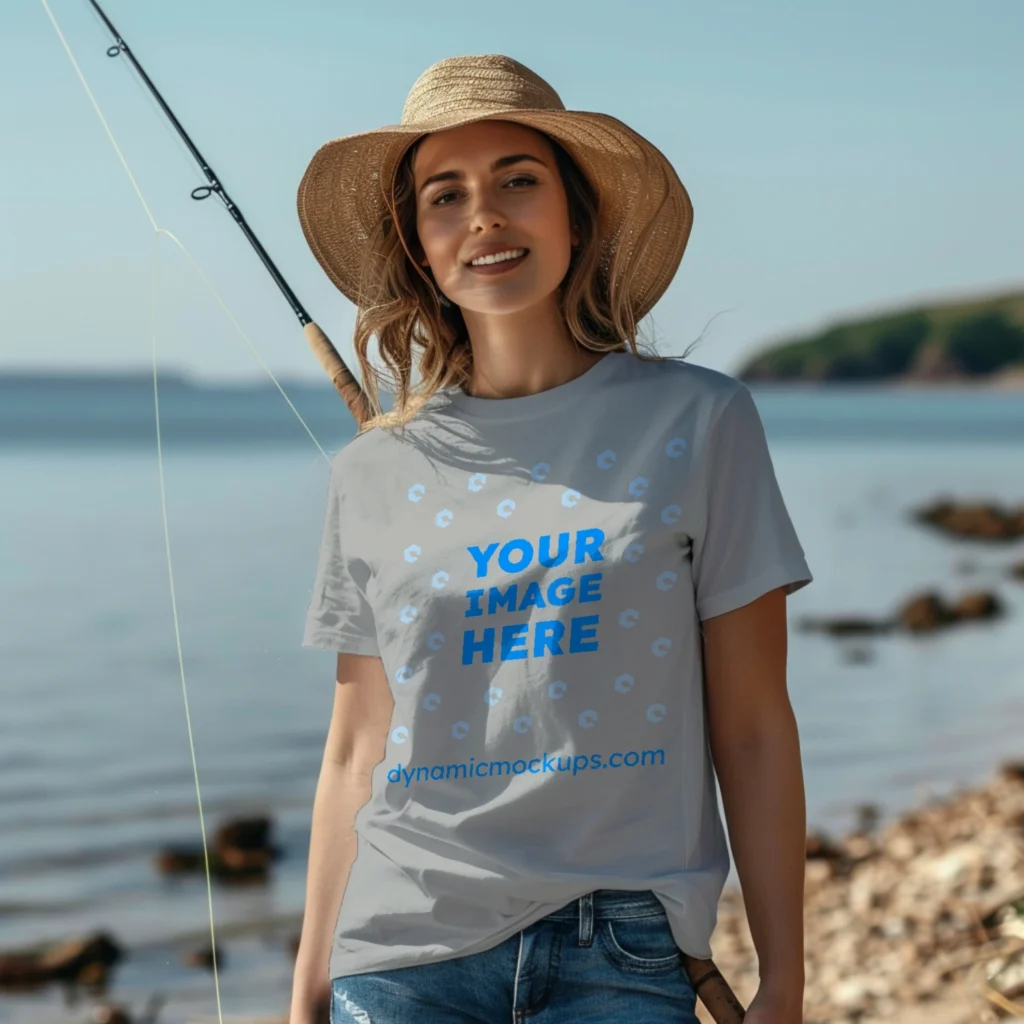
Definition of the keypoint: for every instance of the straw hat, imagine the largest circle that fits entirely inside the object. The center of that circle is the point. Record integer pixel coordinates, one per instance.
(341, 195)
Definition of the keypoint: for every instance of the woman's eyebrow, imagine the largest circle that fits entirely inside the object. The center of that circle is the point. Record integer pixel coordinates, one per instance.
(504, 161)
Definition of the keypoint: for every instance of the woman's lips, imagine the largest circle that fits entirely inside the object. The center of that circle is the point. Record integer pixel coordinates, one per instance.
(499, 268)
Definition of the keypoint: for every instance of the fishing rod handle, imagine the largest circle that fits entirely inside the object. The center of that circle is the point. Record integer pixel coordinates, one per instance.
(714, 990)
(341, 376)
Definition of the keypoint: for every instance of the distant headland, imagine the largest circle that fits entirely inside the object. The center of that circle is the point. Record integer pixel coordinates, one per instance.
(979, 341)
(108, 381)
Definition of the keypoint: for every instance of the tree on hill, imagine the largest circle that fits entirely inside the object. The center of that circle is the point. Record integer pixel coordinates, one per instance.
(985, 343)
(888, 354)
(947, 340)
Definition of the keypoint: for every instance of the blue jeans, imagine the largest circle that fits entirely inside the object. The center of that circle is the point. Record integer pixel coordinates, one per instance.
(607, 957)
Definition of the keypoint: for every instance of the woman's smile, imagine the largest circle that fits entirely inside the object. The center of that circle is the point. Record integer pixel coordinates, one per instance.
(500, 263)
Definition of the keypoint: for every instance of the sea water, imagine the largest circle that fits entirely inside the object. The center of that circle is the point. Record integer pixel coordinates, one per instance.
(95, 763)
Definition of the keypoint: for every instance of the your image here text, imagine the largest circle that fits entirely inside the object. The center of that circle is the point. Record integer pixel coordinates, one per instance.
(539, 636)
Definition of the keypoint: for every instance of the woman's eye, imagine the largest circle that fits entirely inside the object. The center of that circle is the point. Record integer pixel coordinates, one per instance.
(524, 179)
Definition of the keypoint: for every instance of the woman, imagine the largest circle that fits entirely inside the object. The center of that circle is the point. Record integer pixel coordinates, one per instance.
(555, 576)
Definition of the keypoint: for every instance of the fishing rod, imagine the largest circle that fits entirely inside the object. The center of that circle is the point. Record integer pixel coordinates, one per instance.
(327, 355)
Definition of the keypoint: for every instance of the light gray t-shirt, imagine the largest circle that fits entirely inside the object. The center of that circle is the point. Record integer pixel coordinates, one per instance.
(532, 572)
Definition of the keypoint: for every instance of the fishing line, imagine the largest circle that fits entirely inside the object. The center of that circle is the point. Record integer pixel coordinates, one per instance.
(163, 231)
(719, 998)
(153, 290)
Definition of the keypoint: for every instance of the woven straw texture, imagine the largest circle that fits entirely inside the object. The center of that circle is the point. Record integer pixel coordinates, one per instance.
(341, 195)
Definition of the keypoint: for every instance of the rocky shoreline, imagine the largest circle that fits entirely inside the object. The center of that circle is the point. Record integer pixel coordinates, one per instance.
(919, 920)
(922, 920)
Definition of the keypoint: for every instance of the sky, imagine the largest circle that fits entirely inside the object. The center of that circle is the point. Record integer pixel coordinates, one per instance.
(842, 158)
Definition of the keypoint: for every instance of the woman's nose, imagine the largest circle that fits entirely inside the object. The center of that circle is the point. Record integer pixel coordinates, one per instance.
(485, 215)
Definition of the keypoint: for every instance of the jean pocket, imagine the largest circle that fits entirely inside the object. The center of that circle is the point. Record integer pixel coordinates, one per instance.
(641, 944)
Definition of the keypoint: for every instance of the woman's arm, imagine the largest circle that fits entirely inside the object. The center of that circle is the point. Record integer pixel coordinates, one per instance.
(356, 742)
(756, 751)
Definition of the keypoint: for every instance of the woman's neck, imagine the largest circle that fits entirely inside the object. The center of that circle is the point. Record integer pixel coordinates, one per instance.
(524, 353)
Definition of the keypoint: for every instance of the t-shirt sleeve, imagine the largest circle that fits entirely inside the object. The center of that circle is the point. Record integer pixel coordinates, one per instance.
(748, 545)
(339, 617)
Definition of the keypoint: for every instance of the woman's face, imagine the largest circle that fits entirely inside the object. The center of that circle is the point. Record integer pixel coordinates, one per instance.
(492, 188)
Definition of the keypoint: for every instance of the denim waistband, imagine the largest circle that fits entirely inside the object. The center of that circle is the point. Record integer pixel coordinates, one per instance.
(604, 904)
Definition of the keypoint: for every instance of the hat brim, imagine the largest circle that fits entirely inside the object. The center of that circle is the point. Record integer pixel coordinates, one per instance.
(341, 196)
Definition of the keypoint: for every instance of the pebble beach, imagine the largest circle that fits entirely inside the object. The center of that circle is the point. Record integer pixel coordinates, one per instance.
(920, 920)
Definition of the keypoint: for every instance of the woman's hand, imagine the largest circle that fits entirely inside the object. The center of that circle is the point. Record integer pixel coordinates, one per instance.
(770, 1007)
(311, 1008)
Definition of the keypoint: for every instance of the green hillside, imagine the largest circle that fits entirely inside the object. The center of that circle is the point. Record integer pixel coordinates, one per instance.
(982, 338)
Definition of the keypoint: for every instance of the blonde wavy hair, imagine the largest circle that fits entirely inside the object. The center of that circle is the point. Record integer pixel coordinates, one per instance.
(403, 307)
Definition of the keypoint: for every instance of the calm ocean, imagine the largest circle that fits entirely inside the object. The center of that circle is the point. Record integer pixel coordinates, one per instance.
(95, 773)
